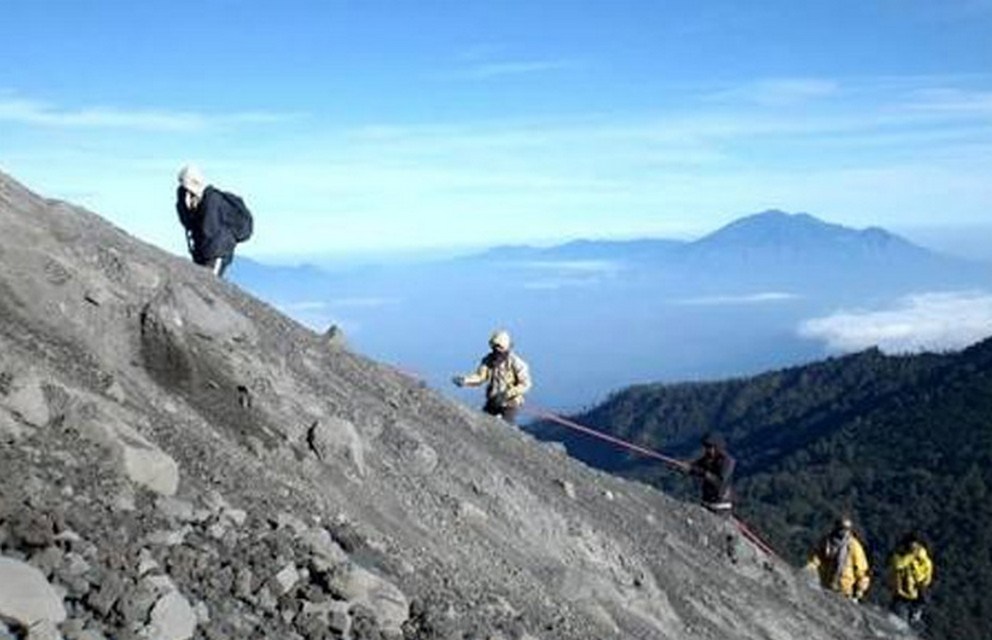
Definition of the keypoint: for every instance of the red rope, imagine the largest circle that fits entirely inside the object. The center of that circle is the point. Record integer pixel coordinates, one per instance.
(672, 462)
(547, 415)
(753, 537)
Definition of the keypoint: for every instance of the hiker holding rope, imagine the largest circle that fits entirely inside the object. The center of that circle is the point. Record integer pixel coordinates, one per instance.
(506, 376)
(715, 467)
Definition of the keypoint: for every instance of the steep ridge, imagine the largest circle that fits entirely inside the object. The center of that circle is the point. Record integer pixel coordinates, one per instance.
(901, 441)
(179, 460)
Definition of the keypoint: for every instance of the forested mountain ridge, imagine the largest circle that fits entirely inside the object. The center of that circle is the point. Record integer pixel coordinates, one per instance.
(763, 417)
(903, 442)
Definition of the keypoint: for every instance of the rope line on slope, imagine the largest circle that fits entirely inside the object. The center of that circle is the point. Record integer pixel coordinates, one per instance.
(548, 415)
(745, 530)
(749, 533)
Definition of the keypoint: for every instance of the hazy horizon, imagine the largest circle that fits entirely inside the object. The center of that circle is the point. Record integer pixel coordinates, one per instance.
(969, 242)
(382, 126)
(594, 318)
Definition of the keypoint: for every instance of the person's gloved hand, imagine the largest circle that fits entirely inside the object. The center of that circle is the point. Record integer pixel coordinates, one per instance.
(459, 381)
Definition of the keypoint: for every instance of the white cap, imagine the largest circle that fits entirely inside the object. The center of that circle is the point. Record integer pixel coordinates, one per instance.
(500, 338)
(191, 178)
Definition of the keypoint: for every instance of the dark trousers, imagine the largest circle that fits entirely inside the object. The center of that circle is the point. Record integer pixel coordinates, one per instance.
(509, 414)
(909, 610)
(225, 262)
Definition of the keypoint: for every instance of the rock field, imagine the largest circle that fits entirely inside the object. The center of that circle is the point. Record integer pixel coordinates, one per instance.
(178, 460)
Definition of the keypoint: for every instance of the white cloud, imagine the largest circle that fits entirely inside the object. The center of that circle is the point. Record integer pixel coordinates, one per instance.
(38, 113)
(752, 298)
(558, 283)
(568, 273)
(921, 322)
(779, 92)
(953, 101)
(490, 70)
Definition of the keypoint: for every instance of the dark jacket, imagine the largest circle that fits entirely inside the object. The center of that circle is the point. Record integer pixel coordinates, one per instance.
(716, 472)
(208, 237)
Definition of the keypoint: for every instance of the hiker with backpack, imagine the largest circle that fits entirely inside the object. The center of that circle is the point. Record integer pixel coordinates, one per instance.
(506, 376)
(840, 562)
(215, 221)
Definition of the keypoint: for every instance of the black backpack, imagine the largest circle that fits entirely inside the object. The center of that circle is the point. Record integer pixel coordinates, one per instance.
(237, 218)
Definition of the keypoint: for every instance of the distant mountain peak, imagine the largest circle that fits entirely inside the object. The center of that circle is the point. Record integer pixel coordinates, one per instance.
(782, 215)
(778, 219)
(803, 233)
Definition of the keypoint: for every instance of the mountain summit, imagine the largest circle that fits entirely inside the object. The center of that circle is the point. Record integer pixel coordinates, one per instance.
(765, 242)
(181, 461)
(774, 227)
(775, 234)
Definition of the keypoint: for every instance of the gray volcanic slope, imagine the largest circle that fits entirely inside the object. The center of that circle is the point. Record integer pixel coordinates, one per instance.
(179, 460)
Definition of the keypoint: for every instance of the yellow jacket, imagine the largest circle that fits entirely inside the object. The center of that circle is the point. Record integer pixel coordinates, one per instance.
(910, 571)
(842, 565)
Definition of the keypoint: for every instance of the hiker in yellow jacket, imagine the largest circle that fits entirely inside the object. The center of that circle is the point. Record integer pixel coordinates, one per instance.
(840, 561)
(910, 576)
(506, 376)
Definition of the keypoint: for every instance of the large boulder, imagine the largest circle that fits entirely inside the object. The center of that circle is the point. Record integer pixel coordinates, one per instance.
(139, 459)
(147, 465)
(360, 586)
(336, 438)
(26, 596)
(172, 618)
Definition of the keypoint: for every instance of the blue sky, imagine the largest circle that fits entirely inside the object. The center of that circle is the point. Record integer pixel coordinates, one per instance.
(386, 126)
